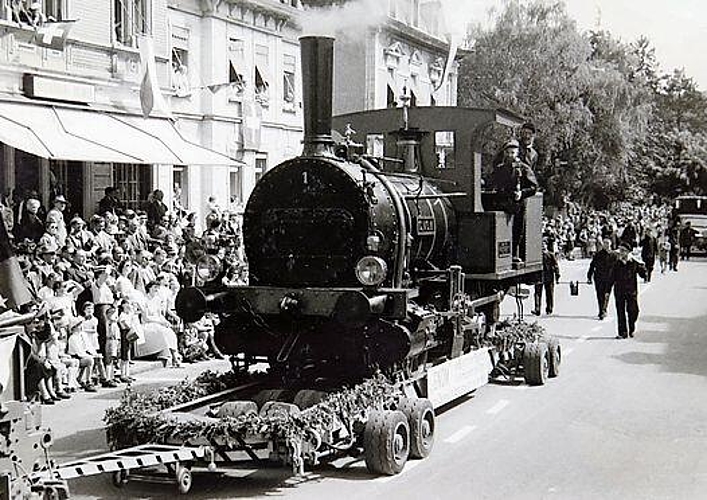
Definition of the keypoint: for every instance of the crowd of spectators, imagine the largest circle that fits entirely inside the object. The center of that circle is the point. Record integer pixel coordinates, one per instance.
(580, 232)
(105, 288)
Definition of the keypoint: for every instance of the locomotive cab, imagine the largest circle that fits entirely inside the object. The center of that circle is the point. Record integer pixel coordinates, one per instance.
(447, 145)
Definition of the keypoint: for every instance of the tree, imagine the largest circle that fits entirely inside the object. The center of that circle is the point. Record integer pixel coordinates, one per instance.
(584, 92)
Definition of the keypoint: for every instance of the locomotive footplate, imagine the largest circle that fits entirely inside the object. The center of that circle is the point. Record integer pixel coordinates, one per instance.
(510, 274)
(346, 304)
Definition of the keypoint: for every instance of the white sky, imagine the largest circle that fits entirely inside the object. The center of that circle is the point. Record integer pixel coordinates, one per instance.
(676, 28)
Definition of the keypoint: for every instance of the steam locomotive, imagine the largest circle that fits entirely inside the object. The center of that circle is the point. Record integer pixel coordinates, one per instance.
(364, 260)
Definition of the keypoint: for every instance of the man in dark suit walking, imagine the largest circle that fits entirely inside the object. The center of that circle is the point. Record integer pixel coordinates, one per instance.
(551, 274)
(649, 249)
(626, 268)
(600, 270)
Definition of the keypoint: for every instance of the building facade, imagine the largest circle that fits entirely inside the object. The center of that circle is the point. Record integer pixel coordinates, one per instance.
(235, 80)
(71, 115)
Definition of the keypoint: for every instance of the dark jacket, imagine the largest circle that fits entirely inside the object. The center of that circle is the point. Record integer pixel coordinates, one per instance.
(625, 273)
(629, 235)
(156, 210)
(649, 249)
(551, 269)
(506, 178)
(687, 236)
(602, 266)
(110, 203)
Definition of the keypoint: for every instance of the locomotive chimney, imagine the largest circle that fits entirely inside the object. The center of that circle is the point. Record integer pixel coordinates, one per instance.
(317, 80)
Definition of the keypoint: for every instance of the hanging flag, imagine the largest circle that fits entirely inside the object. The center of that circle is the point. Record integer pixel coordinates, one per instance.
(252, 119)
(151, 98)
(53, 34)
(14, 291)
(453, 46)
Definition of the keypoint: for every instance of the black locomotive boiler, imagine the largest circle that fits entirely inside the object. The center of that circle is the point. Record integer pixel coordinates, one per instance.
(370, 260)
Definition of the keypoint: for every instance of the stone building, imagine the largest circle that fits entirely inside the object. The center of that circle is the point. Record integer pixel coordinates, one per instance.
(71, 120)
(70, 101)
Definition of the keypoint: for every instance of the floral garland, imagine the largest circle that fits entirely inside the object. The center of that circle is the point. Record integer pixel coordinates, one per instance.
(509, 332)
(137, 419)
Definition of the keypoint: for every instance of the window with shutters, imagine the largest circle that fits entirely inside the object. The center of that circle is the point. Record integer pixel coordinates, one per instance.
(236, 62)
(55, 10)
(130, 19)
(289, 93)
(261, 76)
(180, 62)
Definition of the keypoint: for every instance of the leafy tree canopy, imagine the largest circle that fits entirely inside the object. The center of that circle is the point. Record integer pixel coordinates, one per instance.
(609, 125)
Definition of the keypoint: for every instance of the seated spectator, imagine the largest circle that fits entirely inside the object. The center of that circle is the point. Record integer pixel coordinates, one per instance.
(160, 338)
(50, 239)
(79, 237)
(29, 226)
(77, 348)
(54, 351)
(39, 372)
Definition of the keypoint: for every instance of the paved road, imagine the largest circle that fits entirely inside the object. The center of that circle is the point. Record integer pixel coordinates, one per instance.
(626, 419)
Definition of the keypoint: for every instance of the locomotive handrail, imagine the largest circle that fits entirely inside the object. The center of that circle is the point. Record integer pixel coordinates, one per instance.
(434, 196)
(402, 232)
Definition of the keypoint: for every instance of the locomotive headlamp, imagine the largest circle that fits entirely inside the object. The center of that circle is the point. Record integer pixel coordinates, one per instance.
(208, 267)
(371, 271)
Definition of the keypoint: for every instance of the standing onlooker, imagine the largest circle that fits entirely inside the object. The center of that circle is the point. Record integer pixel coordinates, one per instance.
(649, 249)
(674, 239)
(56, 215)
(626, 268)
(110, 202)
(103, 299)
(663, 252)
(156, 209)
(551, 275)
(527, 152)
(687, 239)
(601, 270)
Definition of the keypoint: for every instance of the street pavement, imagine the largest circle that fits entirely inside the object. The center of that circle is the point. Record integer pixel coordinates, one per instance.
(626, 419)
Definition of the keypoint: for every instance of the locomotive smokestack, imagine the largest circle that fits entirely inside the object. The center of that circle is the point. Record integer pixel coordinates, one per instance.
(317, 80)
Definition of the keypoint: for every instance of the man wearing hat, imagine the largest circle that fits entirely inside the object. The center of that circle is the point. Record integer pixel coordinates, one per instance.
(79, 237)
(513, 181)
(626, 268)
(527, 152)
(110, 202)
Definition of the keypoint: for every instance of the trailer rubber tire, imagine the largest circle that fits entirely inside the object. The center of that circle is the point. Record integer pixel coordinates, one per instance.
(386, 442)
(307, 398)
(421, 418)
(555, 356)
(184, 479)
(536, 364)
(119, 478)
